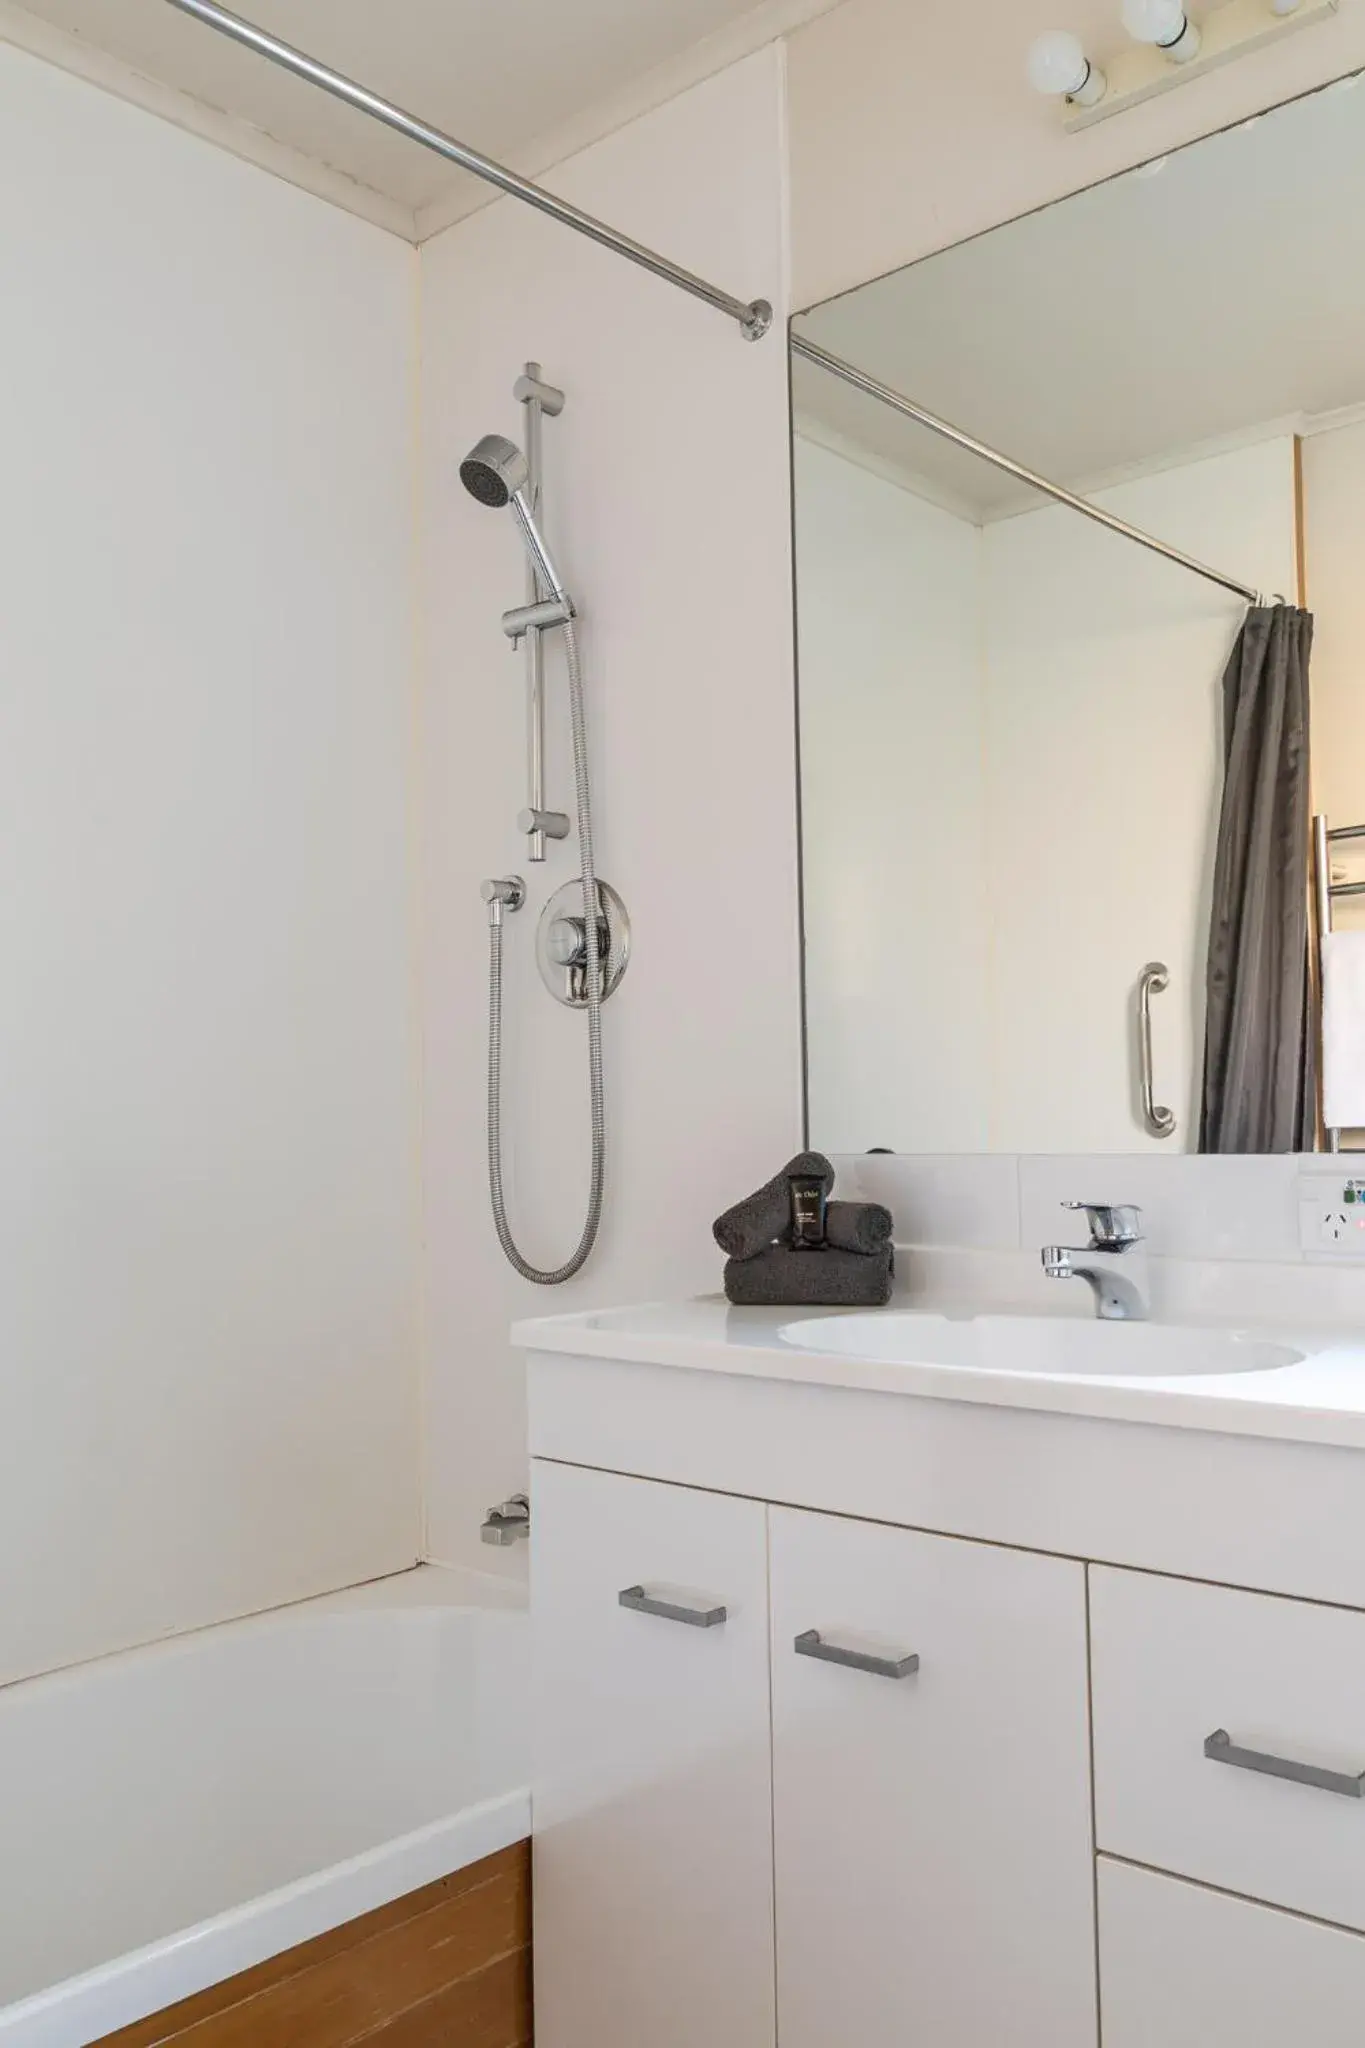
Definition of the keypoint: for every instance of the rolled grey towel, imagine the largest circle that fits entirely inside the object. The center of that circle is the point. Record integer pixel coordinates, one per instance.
(858, 1226)
(752, 1225)
(785, 1277)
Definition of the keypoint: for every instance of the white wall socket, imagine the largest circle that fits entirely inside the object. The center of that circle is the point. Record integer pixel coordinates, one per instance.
(1332, 1216)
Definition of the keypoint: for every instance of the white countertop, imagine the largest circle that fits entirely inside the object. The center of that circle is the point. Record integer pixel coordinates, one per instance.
(1318, 1400)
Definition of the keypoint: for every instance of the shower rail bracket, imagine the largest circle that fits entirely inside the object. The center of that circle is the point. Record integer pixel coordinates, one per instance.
(554, 824)
(531, 389)
(541, 617)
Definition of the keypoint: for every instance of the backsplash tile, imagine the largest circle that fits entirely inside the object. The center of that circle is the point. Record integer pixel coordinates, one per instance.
(1215, 1207)
(967, 1199)
(1222, 1232)
(1206, 1208)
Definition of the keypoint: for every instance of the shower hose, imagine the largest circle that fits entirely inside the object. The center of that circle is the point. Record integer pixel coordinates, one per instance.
(553, 1277)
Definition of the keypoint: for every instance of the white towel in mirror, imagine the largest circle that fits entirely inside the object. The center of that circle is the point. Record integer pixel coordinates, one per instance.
(1343, 1030)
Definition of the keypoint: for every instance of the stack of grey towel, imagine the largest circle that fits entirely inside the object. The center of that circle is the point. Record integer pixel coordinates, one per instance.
(853, 1268)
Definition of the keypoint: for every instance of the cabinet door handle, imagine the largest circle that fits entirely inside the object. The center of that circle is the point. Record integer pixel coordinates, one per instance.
(812, 1644)
(639, 1602)
(1220, 1748)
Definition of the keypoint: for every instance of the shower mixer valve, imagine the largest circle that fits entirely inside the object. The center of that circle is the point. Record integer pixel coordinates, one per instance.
(562, 944)
(566, 946)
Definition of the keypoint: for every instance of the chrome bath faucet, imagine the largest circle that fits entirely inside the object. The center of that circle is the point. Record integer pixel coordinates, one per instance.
(1113, 1264)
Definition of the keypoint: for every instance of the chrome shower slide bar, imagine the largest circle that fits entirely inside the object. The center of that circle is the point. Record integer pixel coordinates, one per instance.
(886, 395)
(755, 316)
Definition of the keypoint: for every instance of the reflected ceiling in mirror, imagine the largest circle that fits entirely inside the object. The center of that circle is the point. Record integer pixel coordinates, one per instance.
(1215, 289)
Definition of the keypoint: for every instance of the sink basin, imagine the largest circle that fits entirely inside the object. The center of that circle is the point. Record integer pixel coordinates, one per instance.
(1048, 1347)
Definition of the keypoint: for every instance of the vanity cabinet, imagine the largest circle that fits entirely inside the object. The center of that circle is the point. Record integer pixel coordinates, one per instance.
(1020, 1730)
(931, 1819)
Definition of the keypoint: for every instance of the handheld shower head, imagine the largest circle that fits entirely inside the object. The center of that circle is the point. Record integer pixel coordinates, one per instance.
(496, 473)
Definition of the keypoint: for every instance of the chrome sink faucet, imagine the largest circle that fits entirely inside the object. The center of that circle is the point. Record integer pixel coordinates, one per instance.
(1113, 1264)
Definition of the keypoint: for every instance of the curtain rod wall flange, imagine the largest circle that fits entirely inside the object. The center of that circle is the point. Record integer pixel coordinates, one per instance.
(754, 316)
(898, 402)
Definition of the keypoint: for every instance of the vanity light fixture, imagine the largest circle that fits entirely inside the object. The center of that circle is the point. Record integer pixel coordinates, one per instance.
(1165, 25)
(1168, 47)
(1059, 68)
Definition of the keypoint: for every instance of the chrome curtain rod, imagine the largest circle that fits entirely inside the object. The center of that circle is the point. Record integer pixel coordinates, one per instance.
(837, 367)
(755, 316)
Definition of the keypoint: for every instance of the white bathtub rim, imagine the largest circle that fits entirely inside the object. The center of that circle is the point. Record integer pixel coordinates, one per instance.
(424, 1585)
(132, 1987)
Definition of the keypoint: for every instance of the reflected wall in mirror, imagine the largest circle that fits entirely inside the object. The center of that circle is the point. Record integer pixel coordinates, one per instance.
(1024, 779)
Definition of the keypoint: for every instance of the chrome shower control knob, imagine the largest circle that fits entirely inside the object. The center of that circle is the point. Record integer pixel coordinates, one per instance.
(566, 941)
(562, 943)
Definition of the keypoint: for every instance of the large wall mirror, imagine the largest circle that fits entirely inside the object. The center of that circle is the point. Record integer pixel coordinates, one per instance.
(1055, 782)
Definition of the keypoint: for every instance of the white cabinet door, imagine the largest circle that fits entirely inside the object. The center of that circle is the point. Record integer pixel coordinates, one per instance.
(934, 1869)
(652, 1794)
(1187, 1968)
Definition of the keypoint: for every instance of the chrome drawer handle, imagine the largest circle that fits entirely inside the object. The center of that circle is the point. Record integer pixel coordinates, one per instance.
(812, 1644)
(1220, 1748)
(639, 1602)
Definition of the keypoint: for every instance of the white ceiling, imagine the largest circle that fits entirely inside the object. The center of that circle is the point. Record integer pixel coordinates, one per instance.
(524, 81)
(1157, 312)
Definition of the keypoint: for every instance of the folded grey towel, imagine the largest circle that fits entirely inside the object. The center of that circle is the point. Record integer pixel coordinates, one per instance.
(857, 1226)
(751, 1226)
(785, 1277)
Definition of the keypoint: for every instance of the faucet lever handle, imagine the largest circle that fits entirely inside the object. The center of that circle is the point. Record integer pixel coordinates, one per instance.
(1114, 1226)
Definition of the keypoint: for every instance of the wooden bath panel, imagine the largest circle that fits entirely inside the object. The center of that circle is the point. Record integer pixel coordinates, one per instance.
(448, 1964)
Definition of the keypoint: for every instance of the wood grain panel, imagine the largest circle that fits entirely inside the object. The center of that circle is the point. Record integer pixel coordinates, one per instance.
(447, 1965)
(491, 2009)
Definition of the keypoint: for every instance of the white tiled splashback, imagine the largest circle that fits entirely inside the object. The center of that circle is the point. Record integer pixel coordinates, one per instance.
(1197, 1208)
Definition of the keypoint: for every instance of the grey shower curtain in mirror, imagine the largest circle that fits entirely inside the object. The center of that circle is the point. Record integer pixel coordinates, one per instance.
(1260, 1067)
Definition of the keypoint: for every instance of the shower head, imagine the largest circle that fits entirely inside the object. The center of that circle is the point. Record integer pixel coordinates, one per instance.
(494, 471)
(497, 473)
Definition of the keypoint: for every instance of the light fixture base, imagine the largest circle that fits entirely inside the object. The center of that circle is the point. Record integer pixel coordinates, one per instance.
(1228, 32)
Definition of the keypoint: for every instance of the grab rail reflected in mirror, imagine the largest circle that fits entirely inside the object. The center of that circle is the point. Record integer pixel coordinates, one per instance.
(1154, 981)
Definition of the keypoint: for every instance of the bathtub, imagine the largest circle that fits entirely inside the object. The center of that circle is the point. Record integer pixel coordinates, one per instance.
(175, 1815)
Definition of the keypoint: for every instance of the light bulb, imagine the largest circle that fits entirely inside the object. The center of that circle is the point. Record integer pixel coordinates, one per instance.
(1165, 23)
(1058, 66)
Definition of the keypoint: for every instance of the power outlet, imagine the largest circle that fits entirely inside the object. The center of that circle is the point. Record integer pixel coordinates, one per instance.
(1331, 1217)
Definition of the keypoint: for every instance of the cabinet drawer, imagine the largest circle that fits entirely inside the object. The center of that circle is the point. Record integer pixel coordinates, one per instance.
(652, 1784)
(1186, 1968)
(1279, 1686)
(935, 1877)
